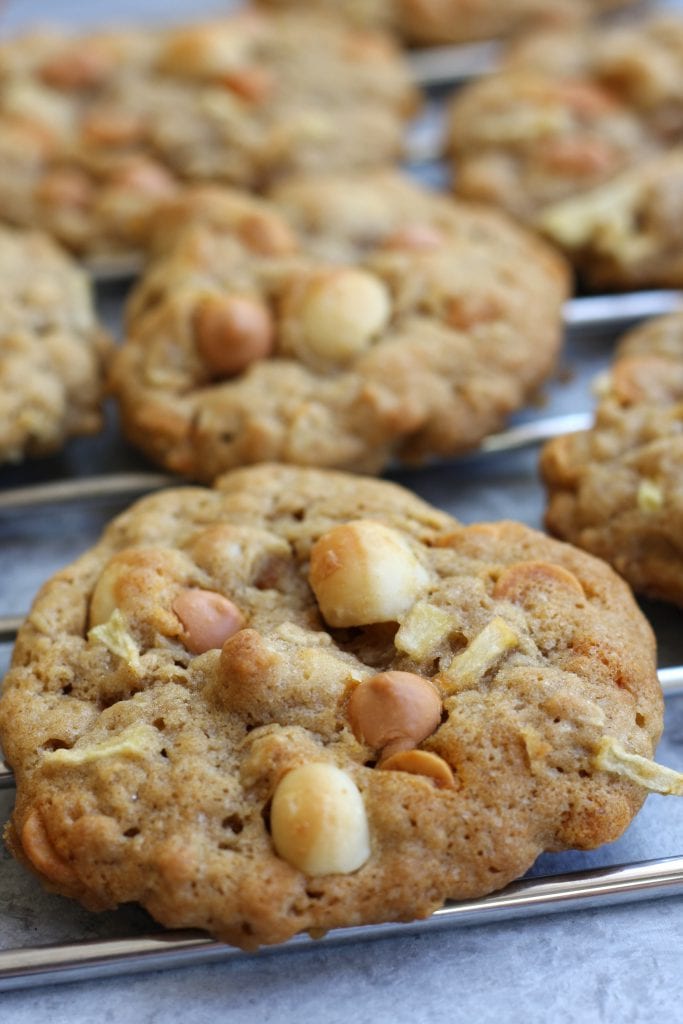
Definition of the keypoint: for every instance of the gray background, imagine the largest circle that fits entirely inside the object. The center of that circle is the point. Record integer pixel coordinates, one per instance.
(607, 965)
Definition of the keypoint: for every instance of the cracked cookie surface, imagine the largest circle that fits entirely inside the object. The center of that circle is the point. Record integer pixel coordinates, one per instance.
(51, 348)
(353, 320)
(189, 730)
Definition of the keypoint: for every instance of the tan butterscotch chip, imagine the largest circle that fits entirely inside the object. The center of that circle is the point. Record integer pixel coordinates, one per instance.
(421, 762)
(232, 331)
(612, 757)
(394, 711)
(318, 821)
(209, 619)
(364, 572)
(343, 776)
(346, 321)
(457, 21)
(468, 669)
(36, 845)
(267, 235)
(416, 238)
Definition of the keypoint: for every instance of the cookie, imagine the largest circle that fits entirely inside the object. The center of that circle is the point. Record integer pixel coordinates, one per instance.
(579, 136)
(523, 139)
(99, 131)
(627, 232)
(615, 489)
(51, 348)
(641, 64)
(305, 700)
(352, 321)
(455, 21)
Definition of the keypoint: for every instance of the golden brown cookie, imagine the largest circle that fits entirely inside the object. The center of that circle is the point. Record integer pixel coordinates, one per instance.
(304, 700)
(352, 321)
(51, 348)
(97, 132)
(616, 489)
(456, 21)
(524, 139)
(580, 136)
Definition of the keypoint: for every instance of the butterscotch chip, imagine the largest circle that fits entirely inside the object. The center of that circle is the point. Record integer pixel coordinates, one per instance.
(615, 489)
(51, 349)
(349, 321)
(306, 776)
(455, 21)
(237, 100)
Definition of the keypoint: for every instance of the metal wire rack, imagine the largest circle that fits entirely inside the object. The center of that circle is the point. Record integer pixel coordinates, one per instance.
(595, 887)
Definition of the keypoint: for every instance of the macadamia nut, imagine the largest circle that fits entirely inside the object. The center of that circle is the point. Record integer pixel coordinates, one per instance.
(318, 821)
(363, 572)
(339, 313)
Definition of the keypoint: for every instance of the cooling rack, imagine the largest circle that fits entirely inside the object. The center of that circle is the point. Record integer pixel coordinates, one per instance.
(61, 495)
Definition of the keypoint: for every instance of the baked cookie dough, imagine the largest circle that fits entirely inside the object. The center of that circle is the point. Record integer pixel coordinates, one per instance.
(628, 232)
(51, 348)
(98, 131)
(524, 139)
(580, 136)
(352, 321)
(456, 21)
(304, 700)
(616, 489)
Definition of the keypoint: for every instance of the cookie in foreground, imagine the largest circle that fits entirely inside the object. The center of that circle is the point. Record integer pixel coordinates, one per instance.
(616, 489)
(349, 321)
(51, 348)
(303, 700)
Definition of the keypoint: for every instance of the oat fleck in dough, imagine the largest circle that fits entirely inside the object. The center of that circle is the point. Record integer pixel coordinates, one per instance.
(283, 774)
(99, 131)
(456, 21)
(616, 489)
(353, 320)
(51, 348)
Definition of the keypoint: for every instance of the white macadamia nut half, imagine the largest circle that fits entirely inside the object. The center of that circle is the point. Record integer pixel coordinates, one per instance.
(341, 312)
(364, 572)
(318, 821)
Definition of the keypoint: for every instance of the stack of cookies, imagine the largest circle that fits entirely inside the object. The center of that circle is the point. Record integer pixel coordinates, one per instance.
(296, 699)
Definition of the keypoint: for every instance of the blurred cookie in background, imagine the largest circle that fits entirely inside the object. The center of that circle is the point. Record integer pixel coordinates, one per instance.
(51, 348)
(98, 131)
